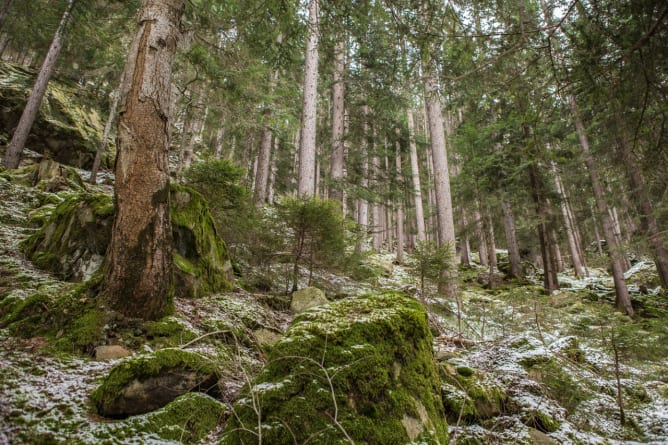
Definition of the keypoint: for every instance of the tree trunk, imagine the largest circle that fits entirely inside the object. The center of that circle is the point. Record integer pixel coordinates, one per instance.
(218, 145)
(614, 252)
(139, 258)
(415, 176)
(272, 173)
(376, 208)
(3, 12)
(464, 244)
(190, 135)
(511, 240)
(491, 241)
(306, 184)
(18, 142)
(363, 204)
(338, 122)
(400, 206)
(480, 234)
(568, 224)
(102, 148)
(264, 154)
(444, 214)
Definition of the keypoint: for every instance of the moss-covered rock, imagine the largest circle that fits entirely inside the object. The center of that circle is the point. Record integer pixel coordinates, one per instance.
(359, 368)
(202, 263)
(307, 298)
(68, 127)
(188, 419)
(74, 239)
(145, 383)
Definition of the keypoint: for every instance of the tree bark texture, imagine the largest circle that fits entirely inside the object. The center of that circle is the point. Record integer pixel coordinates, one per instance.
(139, 259)
(263, 158)
(307, 152)
(511, 240)
(400, 207)
(20, 136)
(338, 122)
(415, 177)
(105, 136)
(568, 225)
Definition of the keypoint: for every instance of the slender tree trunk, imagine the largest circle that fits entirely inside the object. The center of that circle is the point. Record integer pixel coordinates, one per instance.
(550, 281)
(570, 230)
(263, 157)
(376, 208)
(554, 240)
(511, 240)
(190, 136)
(307, 149)
(102, 148)
(599, 246)
(464, 244)
(18, 142)
(480, 234)
(415, 177)
(444, 213)
(139, 258)
(338, 122)
(491, 241)
(220, 134)
(363, 204)
(614, 251)
(272, 173)
(400, 207)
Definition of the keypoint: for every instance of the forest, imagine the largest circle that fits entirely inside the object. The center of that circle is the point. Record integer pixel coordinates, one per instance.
(290, 222)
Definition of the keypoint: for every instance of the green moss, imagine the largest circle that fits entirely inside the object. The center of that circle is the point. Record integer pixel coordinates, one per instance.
(541, 421)
(168, 332)
(376, 354)
(188, 419)
(559, 384)
(143, 367)
(464, 371)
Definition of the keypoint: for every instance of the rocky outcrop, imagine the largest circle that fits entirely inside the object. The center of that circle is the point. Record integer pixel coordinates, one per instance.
(356, 370)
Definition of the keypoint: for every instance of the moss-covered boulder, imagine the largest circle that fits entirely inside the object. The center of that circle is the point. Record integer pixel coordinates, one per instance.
(202, 263)
(74, 239)
(68, 127)
(307, 298)
(145, 383)
(188, 419)
(356, 370)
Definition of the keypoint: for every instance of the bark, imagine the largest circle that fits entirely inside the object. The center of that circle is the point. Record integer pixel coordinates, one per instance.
(444, 214)
(623, 300)
(464, 244)
(550, 281)
(415, 177)
(376, 208)
(338, 122)
(363, 204)
(491, 241)
(568, 225)
(511, 240)
(190, 135)
(306, 184)
(218, 147)
(272, 173)
(263, 157)
(139, 258)
(554, 240)
(17, 144)
(480, 234)
(105, 136)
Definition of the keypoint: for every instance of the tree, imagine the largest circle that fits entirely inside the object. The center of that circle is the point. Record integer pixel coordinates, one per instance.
(139, 258)
(13, 154)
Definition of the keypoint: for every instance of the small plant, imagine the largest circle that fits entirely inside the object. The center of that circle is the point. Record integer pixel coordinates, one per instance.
(429, 260)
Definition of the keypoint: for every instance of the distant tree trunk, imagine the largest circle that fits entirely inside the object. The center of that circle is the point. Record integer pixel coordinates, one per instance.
(307, 150)
(338, 122)
(376, 208)
(400, 209)
(554, 240)
(511, 240)
(415, 177)
(363, 204)
(614, 252)
(599, 246)
(272, 174)
(480, 234)
(571, 236)
(444, 214)
(18, 142)
(218, 144)
(263, 157)
(102, 148)
(464, 244)
(190, 135)
(139, 258)
(491, 241)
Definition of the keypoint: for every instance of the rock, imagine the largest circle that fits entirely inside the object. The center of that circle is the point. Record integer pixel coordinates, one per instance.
(110, 352)
(307, 298)
(52, 176)
(148, 382)
(68, 127)
(74, 239)
(540, 438)
(266, 337)
(361, 367)
(188, 419)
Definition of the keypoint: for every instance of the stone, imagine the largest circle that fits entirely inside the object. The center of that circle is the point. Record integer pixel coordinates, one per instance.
(145, 383)
(265, 336)
(356, 370)
(307, 298)
(540, 438)
(110, 352)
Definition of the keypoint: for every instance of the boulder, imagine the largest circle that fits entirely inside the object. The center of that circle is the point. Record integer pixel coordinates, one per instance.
(110, 352)
(74, 239)
(68, 127)
(307, 298)
(356, 370)
(148, 382)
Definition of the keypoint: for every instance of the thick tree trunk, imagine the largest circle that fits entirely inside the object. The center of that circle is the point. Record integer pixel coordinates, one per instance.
(444, 214)
(511, 240)
(139, 258)
(20, 136)
(338, 122)
(614, 251)
(102, 148)
(307, 151)
(415, 177)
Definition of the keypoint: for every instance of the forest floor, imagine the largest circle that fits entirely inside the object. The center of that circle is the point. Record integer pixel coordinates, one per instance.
(551, 356)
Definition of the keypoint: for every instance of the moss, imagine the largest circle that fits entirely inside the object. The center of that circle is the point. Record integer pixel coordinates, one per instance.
(143, 367)
(168, 332)
(559, 384)
(188, 419)
(464, 371)
(376, 353)
(541, 421)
